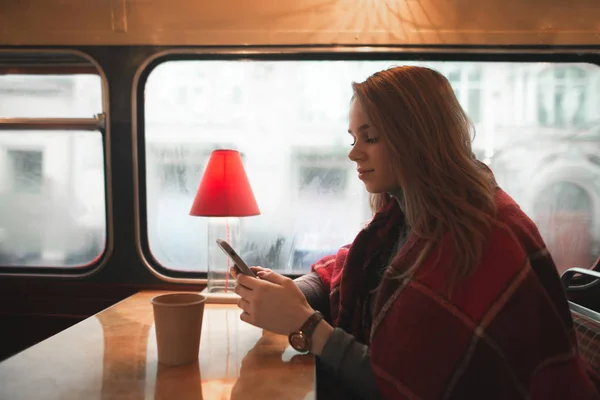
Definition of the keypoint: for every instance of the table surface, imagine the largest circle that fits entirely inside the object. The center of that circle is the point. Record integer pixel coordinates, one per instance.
(112, 355)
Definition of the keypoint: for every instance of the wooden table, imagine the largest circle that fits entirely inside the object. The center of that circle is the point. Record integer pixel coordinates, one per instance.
(112, 355)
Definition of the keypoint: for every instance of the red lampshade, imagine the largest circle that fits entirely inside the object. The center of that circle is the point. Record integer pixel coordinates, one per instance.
(224, 190)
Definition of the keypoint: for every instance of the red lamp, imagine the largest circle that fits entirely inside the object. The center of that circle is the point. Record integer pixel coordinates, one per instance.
(224, 189)
(224, 195)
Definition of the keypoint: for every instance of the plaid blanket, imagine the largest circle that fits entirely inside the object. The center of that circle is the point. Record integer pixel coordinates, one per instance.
(506, 332)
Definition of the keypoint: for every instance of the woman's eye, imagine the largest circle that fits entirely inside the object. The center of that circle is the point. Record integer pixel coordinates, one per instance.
(367, 140)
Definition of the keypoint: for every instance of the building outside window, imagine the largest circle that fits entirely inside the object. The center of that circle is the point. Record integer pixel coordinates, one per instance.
(562, 96)
(466, 82)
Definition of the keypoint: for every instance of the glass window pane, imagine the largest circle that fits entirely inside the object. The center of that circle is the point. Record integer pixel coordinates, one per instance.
(26, 166)
(289, 119)
(475, 105)
(50, 96)
(52, 201)
(474, 75)
(561, 97)
(564, 212)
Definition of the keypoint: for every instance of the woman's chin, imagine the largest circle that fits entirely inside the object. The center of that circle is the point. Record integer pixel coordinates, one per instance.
(374, 190)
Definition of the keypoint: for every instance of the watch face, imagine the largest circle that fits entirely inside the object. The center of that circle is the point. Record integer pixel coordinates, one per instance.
(299, 342)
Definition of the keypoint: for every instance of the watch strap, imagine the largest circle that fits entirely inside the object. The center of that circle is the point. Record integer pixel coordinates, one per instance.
(308, 328)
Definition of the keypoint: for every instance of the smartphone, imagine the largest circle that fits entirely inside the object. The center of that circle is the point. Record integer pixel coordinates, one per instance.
(239, 263)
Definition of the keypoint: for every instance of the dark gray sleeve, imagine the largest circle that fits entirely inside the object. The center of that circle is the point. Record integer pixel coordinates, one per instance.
(342, 357)
(315, 292)
(348, 360)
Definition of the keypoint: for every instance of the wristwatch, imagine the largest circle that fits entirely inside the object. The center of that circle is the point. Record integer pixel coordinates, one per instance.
(301, 340)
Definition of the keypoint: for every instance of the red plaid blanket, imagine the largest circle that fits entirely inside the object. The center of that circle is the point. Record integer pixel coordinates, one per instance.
(505, 332)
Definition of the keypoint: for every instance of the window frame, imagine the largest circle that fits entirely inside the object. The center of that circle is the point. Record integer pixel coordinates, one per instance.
(462, 53)
(37, 61)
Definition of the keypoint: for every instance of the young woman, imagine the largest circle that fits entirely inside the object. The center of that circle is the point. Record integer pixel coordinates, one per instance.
(449, 292)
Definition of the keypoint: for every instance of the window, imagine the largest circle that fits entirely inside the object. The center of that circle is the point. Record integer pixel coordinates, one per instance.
(26, 171)
(321, 174)
(52, 199)
(466, 82)
(321, 180)
(50, 96)
(289, 119)
(179, 168)
(562, 96)
(564, 212)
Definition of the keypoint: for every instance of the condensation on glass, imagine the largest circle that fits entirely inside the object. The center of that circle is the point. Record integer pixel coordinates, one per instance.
(537, 125)
(50, 96)
(52, 182)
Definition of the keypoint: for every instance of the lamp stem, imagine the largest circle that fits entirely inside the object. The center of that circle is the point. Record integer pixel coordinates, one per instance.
(228, 260)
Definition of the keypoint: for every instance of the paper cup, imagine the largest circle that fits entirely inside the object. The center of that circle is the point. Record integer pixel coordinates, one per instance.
(178, 324)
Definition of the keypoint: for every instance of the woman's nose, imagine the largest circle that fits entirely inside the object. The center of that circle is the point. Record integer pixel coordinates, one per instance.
(355, 153)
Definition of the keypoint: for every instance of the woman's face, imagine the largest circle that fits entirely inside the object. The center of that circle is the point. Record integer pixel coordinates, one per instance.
(369, 153)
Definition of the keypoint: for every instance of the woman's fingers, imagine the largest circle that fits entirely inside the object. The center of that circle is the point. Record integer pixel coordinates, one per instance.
(243, 291)
(244, 305)
(258, 269)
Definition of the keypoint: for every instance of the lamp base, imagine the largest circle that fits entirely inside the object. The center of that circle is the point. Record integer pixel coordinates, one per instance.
(218, 297)
(219, 279)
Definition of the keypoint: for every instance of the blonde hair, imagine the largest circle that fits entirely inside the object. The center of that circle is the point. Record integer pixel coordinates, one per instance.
(428, 138)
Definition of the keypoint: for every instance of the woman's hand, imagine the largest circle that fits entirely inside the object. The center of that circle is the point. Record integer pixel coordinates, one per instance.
(272, 302)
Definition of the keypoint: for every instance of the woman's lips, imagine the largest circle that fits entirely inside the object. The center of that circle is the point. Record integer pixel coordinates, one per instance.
(363, 172)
